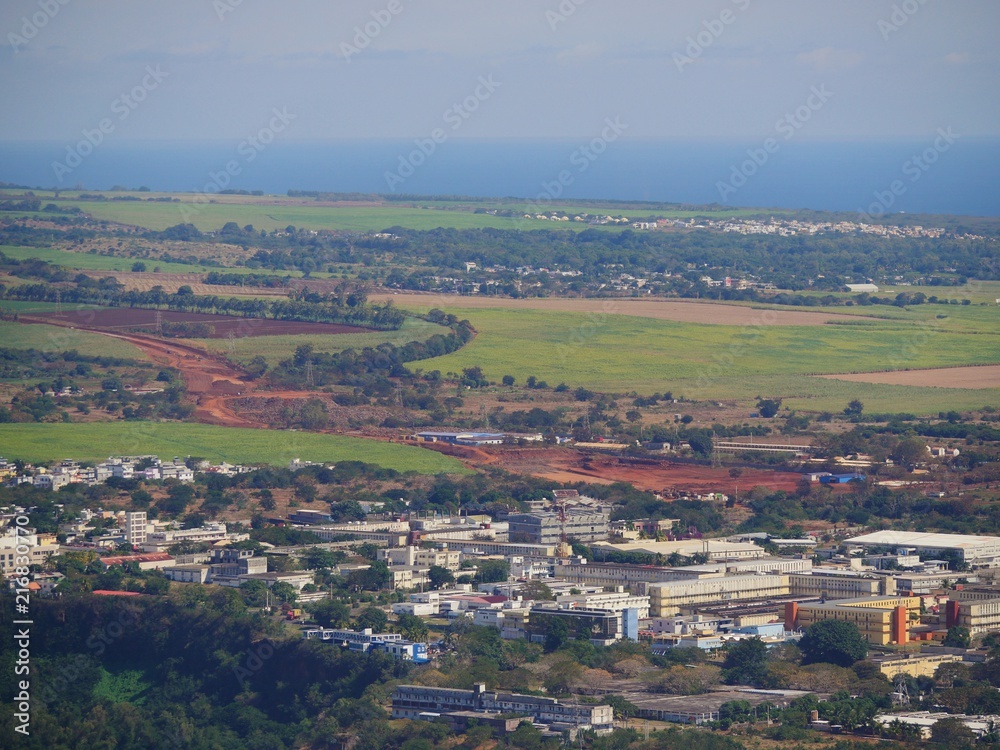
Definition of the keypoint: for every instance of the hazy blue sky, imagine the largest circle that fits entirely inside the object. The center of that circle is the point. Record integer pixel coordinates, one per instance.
(228, 64)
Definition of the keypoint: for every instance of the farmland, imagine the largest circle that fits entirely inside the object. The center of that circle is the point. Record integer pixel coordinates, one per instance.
(221, 326)
(94, 262)
(276, 348)
(717, 362)
(51, 339)
(93, 442)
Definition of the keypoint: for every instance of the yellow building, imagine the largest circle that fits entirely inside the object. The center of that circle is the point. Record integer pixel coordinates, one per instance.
(882, 620)
(915, 665)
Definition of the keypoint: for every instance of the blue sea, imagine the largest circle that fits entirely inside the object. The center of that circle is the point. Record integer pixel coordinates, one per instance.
(961, 177)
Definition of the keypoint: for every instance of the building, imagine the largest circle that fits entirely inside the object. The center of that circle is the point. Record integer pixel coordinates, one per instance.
(975, 609)
(35, 547)
(210, 533)
(152, 561)
(612, 601)
(667, 598)
(713, 549)
(859, 288)
(838, 584)
(421, 558)
(475, 439)
(914, 665)
(974, 551)
(135, 527)
(384, 533)
(579, 523)
(882, 620)
(367, 640)
(429, 703)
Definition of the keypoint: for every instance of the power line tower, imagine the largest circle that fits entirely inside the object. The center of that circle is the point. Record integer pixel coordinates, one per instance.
(159, 322)
(901, 693)
(58, 301)
(309, 373)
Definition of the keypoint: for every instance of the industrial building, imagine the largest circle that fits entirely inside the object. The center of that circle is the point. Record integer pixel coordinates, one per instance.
(430, 703)
(974, 551)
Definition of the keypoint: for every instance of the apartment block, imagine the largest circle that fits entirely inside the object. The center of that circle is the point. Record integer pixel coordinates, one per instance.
(580, 523)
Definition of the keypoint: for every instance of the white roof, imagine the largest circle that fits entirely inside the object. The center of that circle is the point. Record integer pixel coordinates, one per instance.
(923, 539)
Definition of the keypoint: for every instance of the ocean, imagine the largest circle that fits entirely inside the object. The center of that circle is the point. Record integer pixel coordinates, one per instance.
(941, 174)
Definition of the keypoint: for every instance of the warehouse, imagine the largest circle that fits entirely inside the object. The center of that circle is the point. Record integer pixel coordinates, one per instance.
(975, 551)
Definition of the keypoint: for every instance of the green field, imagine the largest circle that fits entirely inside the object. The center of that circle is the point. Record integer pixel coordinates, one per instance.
(94, 442)
(713, 362)
(276, 348)
(212, 216)
(56, 339)
(93, 262)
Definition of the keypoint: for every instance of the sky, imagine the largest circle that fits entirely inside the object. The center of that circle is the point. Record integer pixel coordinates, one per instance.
(357, 69)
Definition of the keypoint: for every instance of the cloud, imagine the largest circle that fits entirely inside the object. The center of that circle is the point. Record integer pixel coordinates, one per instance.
(829, 58)
(957, 58)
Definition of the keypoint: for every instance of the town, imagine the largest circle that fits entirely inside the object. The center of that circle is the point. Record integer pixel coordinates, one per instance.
(561, 568)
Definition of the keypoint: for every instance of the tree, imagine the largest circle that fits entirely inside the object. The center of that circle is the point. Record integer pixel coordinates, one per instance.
(330, 613)
(623, 708)
(508, 380)
(493, 571)
(374, 618)
(958, 637)
(412, 627)
(745, 663)
(537, 591)
(556, 634)
(440, 576)
(854, 409)
(952, 733)
(768, 407)
(285, 592)
(833, 642)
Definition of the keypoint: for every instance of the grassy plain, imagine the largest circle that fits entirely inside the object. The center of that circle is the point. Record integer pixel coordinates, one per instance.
(276, 348)
(93, 442)
(714, 362)
(56, 339)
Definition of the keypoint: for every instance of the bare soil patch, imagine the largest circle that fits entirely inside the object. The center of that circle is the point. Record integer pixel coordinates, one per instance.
(568, 465)
(129, 318)
(682, 311)
(978, 377)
